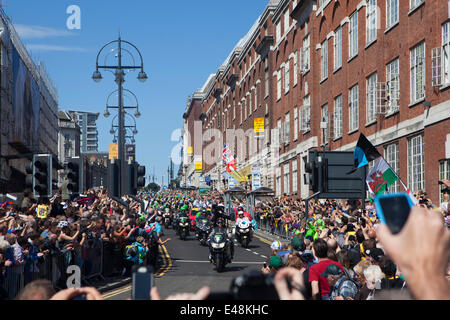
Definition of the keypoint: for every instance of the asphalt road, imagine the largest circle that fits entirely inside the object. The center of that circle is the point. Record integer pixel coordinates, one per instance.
(186, 267)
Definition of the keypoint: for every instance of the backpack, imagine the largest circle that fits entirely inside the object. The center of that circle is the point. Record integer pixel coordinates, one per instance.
(346, 278)
(131, 251)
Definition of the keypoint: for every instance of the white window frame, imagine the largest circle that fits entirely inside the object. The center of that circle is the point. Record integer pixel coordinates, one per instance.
(278, 31)
(392, 13)
(338, 48)
(338, 117)
(417, 73)
(267, 83)
(324, 118)
(306, 53)
(393, 85)
(445, 53)
(287, 81)
(353, 36)
(306, 114)
(294, 176)
(415, 3)
(287, 128)
(286, 181)
(294, 73)
(286, 21)
(416, 163)
(353, 108)
(444, 173)
(295, 124)
(324, 60)
(391, 157)
(278, 181)
(371, 21)
(371, 98)
(280, 131)
(278, 85)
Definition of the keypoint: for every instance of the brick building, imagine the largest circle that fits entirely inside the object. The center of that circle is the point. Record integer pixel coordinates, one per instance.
(322, 72)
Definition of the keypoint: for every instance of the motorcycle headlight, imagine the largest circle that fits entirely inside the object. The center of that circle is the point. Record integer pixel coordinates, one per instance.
(218, 245)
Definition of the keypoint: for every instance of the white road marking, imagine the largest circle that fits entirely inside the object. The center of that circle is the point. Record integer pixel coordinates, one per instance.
(197, 261)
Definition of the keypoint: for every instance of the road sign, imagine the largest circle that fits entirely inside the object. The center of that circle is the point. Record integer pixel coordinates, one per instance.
(113, 151)
(258, 125)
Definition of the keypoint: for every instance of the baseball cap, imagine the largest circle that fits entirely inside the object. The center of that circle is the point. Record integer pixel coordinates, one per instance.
(375, 253)
(275, 262)
(276, 245)
(332, 269)
(297, 243)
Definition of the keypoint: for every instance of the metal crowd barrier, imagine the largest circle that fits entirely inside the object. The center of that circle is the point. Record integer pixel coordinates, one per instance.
(93, 263)
(264, 224)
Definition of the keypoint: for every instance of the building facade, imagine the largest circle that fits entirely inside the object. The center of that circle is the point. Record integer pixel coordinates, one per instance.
(68, 140)
(87, 121)
(28, 110)
(322, 72)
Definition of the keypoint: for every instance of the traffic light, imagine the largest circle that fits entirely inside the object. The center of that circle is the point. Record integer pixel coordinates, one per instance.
(113, 178)
(312, 176)
(42, 175)
(140, 176)
(29, 179)
(74, 175)
(136, 177)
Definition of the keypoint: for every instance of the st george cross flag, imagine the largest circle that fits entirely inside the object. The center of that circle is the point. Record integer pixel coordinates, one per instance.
(381, 177)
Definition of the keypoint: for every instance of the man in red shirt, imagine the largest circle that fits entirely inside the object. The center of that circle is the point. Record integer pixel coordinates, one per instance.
(319, 284)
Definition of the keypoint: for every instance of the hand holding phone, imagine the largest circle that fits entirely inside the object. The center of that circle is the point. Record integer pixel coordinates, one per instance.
(142, 282)
(393, 210)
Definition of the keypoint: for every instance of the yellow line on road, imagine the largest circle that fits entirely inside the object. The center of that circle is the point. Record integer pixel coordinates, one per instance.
(167, 264)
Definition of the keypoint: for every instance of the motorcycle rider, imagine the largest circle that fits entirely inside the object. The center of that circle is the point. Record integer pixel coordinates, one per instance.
(220, 228)
(246, 214)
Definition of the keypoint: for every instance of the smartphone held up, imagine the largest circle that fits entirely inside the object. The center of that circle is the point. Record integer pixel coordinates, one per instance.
(393, 210)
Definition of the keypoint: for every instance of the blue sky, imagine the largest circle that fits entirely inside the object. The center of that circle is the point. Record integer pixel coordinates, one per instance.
(182, 42)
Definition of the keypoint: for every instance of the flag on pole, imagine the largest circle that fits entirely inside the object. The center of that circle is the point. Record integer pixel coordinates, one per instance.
(230, 162)
(381, 177)
(413, 199)
(364, 152)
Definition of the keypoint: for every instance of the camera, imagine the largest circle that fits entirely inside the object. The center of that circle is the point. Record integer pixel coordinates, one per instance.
(252, 285)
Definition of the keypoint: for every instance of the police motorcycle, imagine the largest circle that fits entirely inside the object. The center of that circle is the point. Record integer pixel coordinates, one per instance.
(167, 218)
(183, 227)
(243, 232)
(203, 229)
(220, 248)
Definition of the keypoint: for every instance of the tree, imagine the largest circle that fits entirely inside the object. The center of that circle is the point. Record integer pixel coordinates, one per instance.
(152, 187)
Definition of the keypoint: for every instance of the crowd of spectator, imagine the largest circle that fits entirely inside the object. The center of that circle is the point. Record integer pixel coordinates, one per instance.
(41, 238)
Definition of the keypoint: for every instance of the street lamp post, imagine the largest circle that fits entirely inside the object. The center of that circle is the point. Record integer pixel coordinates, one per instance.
(120, 79)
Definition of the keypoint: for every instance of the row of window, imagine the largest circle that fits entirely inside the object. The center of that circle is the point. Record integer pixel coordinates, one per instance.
(415, 170)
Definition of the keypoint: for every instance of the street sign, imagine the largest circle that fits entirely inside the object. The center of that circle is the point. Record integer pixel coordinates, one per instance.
(258, 125)
(198, 165)
(113, 151)
(256, 178)
(190, 150)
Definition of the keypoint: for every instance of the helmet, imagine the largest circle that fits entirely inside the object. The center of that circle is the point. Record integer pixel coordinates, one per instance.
(220, 220)
(167, 210)
(240, 208)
